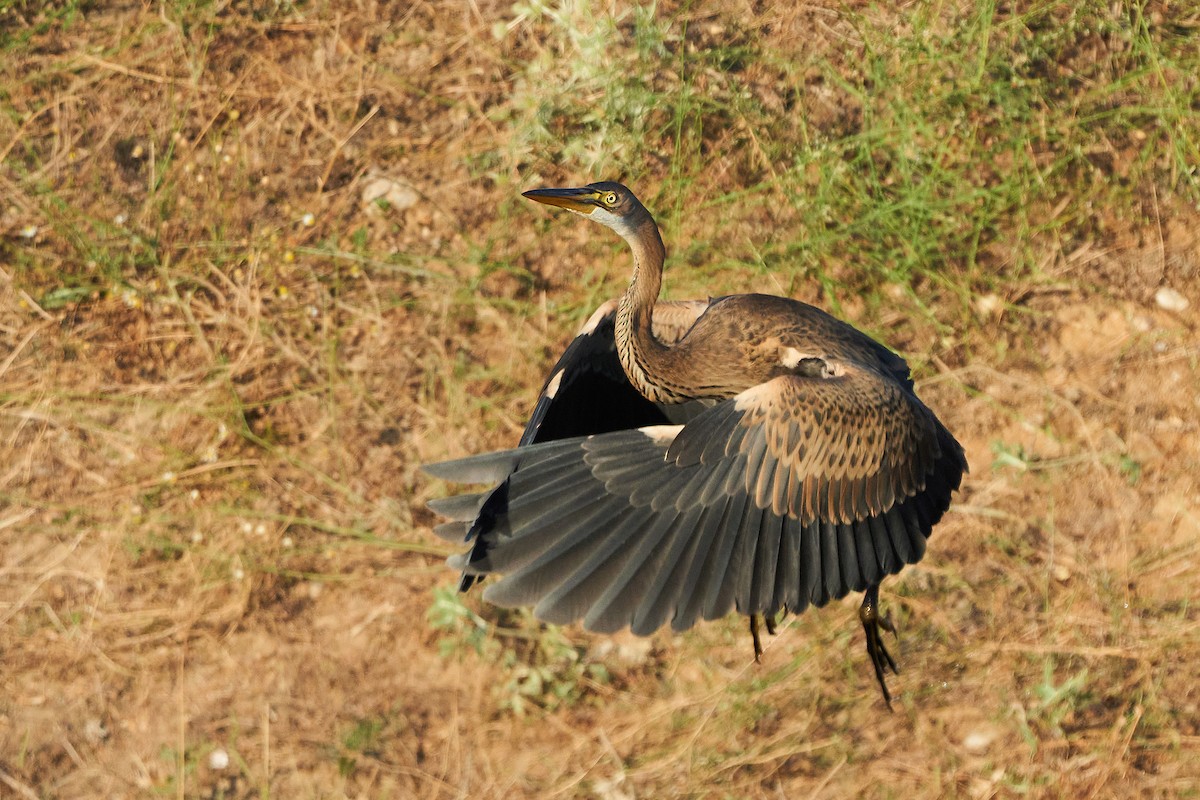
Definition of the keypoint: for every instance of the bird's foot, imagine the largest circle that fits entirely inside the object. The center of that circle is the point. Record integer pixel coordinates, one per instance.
(755, 621)
(872, 622)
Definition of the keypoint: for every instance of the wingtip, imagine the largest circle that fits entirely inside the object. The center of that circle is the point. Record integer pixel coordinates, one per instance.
(484, 468)
(435, 470)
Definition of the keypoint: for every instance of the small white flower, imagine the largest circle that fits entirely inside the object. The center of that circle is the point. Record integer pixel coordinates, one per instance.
(29, 231)
(308, 220)
(120, 219)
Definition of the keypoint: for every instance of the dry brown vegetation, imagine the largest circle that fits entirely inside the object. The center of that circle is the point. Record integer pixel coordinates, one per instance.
(259, 261)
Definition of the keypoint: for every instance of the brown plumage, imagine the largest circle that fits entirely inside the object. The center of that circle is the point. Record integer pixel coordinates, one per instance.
(685, 460)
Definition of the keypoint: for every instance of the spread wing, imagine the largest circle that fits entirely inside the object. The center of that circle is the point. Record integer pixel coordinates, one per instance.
(794, 492)
(843, 444)
(587, 393)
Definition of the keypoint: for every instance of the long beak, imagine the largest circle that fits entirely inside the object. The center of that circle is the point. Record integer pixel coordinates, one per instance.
(580, 200)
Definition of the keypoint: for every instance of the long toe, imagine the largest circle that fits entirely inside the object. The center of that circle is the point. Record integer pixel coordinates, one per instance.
(872, 622)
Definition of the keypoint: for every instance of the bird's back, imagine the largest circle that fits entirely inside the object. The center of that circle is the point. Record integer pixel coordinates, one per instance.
(745, 340)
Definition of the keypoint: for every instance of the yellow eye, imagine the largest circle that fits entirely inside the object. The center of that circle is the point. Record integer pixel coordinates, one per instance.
(610, 199)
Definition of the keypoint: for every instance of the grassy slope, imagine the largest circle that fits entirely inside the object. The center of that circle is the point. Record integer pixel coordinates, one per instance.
(222, 362)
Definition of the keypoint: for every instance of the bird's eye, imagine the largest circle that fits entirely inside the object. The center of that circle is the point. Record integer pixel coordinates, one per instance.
(610, 199)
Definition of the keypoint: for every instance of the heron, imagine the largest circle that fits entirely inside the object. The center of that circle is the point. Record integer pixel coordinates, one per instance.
(686, 460)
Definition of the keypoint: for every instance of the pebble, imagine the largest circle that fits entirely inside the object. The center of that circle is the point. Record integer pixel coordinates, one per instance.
(1171, 300)
(978, 741)
(988, 304)
(95, 731)
(396, 193)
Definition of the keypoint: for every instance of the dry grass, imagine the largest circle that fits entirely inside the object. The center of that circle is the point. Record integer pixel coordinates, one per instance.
(222, 356)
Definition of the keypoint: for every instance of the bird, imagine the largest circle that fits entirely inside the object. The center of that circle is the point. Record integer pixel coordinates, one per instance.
(686, 460)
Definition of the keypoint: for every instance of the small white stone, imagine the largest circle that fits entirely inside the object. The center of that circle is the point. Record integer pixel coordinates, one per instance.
(978, 741)
(95, 731)
(397, 194)
(218, 759)
(1171, 300)
(988, 304)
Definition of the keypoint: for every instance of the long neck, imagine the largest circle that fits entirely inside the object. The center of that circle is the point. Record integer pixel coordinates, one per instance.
(649, 364)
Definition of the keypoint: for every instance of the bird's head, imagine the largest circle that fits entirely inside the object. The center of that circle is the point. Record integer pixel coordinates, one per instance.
(607, 202)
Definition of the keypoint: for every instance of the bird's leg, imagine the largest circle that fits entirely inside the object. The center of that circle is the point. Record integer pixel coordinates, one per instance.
(872, 621)
(755, 621)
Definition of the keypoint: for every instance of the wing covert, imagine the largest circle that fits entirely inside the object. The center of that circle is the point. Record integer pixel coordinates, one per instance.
(840, 445)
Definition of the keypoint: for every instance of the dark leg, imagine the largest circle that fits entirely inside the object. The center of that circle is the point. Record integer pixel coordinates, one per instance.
(755, 621)
(758, 651)
(872, 621)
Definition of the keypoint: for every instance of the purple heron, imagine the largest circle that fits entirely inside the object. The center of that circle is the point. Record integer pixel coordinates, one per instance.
(684, 460)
